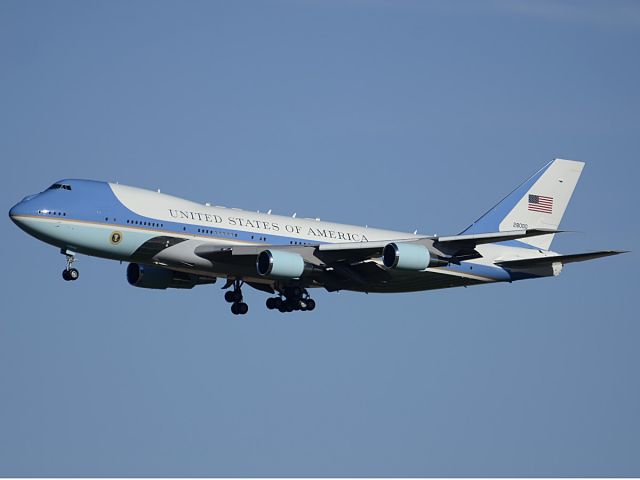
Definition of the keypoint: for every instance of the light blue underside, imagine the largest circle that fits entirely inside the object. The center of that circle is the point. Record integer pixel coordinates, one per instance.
(94, 239)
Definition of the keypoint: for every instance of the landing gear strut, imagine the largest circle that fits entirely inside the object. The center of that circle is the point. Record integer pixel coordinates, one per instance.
(234, 297)
(295, 298)
(70, 273)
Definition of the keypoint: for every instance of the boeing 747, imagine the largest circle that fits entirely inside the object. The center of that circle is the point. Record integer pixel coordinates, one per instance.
(171, 242)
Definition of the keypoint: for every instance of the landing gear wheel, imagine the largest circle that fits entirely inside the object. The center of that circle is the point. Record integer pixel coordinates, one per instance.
(235, 297)
(240, 308)
(69, 273)
(291, 299)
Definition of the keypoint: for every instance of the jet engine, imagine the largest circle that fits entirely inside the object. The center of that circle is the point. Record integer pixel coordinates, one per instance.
(409, 256)
(280, 264)
(145, 276)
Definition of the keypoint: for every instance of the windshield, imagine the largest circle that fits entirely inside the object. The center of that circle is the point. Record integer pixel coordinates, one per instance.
(59, 185)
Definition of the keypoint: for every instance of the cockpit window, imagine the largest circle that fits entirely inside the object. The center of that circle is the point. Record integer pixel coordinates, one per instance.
(59, 185)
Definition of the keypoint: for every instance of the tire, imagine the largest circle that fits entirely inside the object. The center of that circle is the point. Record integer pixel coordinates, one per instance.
(311, 304)
(277, 302)
(228, 296)
(282, 308)
(234, 309)
(74, 274)
(65, 275)
(243, 308)
(271, 303)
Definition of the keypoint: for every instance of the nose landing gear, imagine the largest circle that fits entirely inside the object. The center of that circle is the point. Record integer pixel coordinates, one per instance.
(69, 273)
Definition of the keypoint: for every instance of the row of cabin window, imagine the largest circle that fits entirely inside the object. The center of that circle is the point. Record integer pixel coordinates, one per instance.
(215, 232)
(200, 230)
(228, 234)
(146, 224)
(49, 212)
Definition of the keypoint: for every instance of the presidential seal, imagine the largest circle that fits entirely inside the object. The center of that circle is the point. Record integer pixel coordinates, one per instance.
(116, 237)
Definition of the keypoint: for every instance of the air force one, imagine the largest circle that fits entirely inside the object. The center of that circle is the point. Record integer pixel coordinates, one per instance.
(171, 242)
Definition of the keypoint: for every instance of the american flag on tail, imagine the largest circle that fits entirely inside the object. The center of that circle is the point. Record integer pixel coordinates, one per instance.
(540, 203)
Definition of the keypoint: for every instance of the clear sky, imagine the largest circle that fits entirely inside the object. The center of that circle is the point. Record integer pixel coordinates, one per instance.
(401, 115)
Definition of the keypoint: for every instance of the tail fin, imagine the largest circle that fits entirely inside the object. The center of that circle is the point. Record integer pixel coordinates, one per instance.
(539, 202)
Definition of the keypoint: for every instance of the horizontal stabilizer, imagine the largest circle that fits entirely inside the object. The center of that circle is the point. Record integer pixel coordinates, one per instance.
(540, 261)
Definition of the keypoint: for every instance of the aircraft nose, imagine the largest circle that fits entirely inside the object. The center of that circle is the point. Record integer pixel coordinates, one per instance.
(18, 210)
(15, 212)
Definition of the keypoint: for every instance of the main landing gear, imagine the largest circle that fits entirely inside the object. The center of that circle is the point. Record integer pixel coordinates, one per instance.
(234, 297)
(295, 299)
(70, 273)
(290, 299)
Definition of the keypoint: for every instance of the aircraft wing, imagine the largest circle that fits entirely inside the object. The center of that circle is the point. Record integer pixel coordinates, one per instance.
(313, 253)
(448, 248)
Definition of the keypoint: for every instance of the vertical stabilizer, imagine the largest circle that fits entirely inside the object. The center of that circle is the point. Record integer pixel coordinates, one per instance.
(539, 202)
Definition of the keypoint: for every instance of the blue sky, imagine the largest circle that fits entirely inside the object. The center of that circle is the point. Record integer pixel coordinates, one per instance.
(403, 115)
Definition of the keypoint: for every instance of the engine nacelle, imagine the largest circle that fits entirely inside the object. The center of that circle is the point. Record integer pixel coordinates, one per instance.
(279, 264)
(407, 256)
(145, 276)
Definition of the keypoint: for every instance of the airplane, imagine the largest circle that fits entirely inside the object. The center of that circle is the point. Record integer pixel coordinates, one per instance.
(172, 242)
